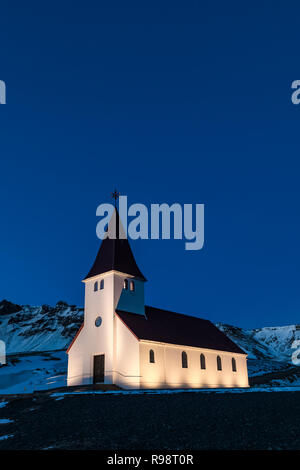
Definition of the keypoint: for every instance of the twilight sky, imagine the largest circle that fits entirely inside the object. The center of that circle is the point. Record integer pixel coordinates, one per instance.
(169, 101)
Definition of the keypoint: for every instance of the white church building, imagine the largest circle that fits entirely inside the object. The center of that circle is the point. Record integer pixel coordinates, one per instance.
(124, 342)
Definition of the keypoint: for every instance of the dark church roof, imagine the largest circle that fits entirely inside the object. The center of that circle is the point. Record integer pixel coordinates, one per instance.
(174, 328)
(115, 254)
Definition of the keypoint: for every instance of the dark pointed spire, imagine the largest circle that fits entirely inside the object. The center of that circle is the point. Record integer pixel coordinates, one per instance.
(115, 254)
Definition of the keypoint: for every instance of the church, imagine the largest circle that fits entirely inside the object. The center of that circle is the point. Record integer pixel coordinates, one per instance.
(124, 342)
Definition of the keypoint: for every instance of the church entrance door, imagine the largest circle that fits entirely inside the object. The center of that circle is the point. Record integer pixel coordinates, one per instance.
(98, 369)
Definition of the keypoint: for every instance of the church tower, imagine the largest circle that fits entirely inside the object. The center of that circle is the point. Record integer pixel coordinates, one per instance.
(114, 281)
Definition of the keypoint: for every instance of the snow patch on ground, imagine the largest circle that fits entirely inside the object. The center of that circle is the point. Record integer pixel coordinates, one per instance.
(29, 372)
(7, 436)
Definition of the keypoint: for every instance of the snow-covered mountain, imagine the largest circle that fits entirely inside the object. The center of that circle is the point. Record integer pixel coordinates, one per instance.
(265, 343)
(269, 349)
(36, 339)
(29, 329)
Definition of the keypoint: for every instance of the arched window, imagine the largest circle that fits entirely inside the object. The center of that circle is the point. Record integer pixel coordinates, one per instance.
(233, 361)
(102, 284)
(95, 286)
(151, 356)
(125, 285)
(202, 361)
(219, 363)
(132, 286)
(184, 360)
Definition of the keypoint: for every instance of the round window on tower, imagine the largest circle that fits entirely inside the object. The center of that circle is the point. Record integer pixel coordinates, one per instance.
(98, 321)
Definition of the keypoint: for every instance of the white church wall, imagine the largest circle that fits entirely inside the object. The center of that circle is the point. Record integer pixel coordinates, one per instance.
(75, 369)
(153, 375)
(167, 371)
(127, 364)
(94, 340)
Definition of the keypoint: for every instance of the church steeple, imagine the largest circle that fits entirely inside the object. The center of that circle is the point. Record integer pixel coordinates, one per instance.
(115, 254)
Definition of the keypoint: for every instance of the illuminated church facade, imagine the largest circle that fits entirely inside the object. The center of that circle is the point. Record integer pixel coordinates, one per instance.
(126, 343)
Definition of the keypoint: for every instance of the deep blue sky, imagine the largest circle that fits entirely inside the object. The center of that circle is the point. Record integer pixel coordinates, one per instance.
(183, 102)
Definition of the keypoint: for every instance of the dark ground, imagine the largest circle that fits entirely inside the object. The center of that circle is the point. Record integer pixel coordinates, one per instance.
(183, 421)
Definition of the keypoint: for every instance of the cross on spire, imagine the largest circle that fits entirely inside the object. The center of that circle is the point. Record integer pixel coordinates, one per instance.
(115, 195)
